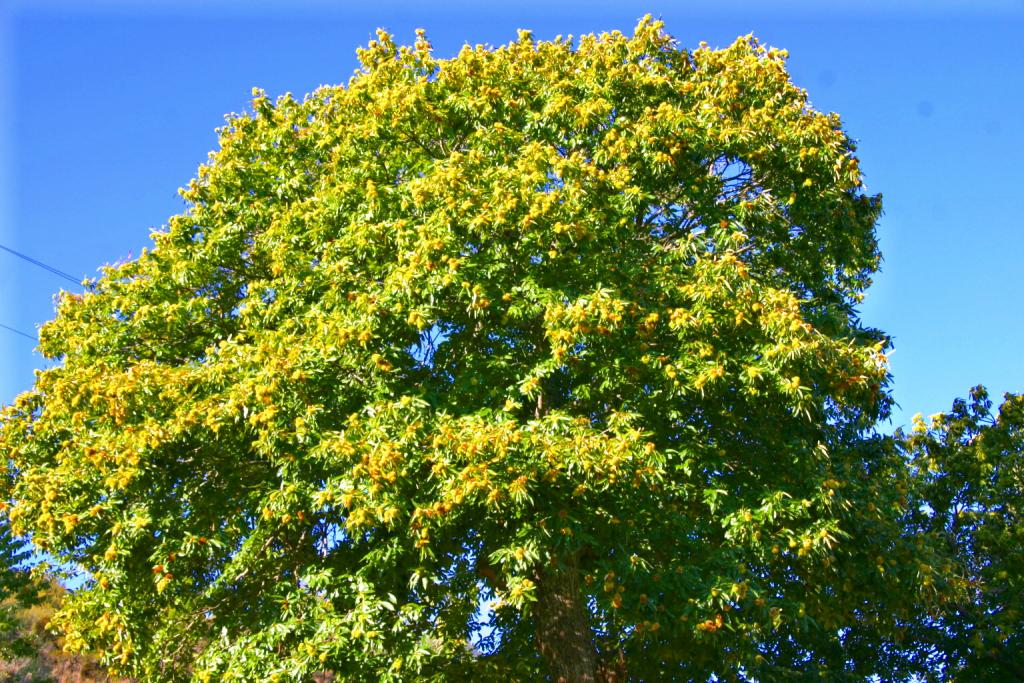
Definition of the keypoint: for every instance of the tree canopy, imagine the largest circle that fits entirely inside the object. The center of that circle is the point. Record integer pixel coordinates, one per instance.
(970, 461)
(542, 360)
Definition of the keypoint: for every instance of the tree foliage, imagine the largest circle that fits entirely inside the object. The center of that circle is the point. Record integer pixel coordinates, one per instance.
(540, 360)
(17, 591)
(971, 464)
(32, 653)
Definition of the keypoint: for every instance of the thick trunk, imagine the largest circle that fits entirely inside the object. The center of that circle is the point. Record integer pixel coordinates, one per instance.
(563, 625)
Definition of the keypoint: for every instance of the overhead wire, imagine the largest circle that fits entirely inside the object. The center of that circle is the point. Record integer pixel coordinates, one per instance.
(44, 266)
(16, 331)
(36, 262)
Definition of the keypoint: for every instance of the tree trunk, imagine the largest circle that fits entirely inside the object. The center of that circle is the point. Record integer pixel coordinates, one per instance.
(563, 625)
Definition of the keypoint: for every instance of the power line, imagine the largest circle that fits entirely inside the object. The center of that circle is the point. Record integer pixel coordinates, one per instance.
(23, 334)
(55, 271)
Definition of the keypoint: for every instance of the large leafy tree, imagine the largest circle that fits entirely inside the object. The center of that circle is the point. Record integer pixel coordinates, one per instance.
(970, 461)
(539, 361)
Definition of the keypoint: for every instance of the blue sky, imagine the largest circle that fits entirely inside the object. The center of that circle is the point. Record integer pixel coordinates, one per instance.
(105, 112)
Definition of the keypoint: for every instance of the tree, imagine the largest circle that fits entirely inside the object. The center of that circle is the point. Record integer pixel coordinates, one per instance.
(17, 591)
(18, 588)
(37, 656)
(971, 464)
(541, 360)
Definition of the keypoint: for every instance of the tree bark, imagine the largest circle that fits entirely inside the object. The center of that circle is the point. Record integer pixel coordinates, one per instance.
(563, 625)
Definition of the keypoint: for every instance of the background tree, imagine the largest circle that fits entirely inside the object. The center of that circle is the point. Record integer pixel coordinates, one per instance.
(971, 463)
(38, 656)
(569, 329)
(17, 591)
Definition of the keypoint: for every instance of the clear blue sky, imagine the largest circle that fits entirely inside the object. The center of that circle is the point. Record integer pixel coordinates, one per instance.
(105, 112)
